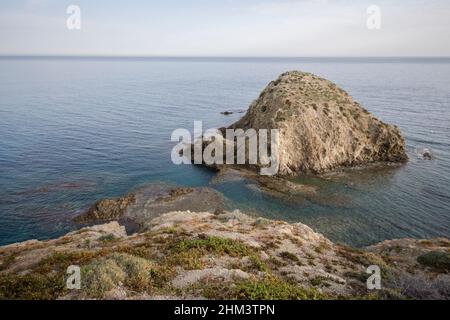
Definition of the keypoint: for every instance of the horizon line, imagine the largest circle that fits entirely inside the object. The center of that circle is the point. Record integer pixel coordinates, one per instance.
(94, 56)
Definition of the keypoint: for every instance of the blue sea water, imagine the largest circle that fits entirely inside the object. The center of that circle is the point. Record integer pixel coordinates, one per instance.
(76, 130)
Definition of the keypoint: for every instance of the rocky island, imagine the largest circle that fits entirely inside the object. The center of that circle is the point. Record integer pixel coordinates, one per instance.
(321, 126)
(186, 243)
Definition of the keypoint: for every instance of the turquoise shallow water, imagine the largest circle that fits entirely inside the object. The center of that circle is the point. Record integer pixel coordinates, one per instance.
(77, 130)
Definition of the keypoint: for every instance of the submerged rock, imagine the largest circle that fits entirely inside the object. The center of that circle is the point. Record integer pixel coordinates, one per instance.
(175, 199)
(107, 209)
(274, 186)
(427, 155)
(321, 126)
(150, 201)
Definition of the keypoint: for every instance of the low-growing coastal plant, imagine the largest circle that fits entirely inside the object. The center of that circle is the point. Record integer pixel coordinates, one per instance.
(188, 252)
(436, 260)
(322, 247)
(269, 288)
(7, 261)
(274, 289)
(214, 245)
(257, 264)
(107, 238)
(290, 257)
(134, 273)
(46, 280)
(191, 260)
(33, 286)
(59, 261)
(101, 276)
(319, 281)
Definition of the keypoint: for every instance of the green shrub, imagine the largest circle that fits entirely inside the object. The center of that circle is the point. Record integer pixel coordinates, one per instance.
(289, 256)
(105, 274)
(188, 253)
(107, 238)
(257, 264)
(59, 261)
(322, 247)
(138, 270)
(189, 260)
(31, 287)
(7, 262)
(319, 281)
(214, 245)
(273, 289)
(101, 276)
(437, 260)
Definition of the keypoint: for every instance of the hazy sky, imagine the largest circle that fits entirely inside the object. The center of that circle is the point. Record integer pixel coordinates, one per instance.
(226, 28)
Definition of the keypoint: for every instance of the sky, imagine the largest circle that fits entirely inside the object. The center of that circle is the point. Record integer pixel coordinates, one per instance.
(240, 28)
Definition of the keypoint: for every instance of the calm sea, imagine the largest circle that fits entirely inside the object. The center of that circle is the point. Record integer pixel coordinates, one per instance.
(73, 131)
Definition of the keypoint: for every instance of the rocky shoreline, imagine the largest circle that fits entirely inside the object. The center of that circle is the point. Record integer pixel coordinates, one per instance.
(190, 255)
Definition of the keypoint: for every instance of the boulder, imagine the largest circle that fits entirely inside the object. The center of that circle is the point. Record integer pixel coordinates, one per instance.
(107, 209)
(427, 155)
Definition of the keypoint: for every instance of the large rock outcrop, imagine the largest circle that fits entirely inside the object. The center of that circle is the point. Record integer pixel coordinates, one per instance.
(321, 126)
